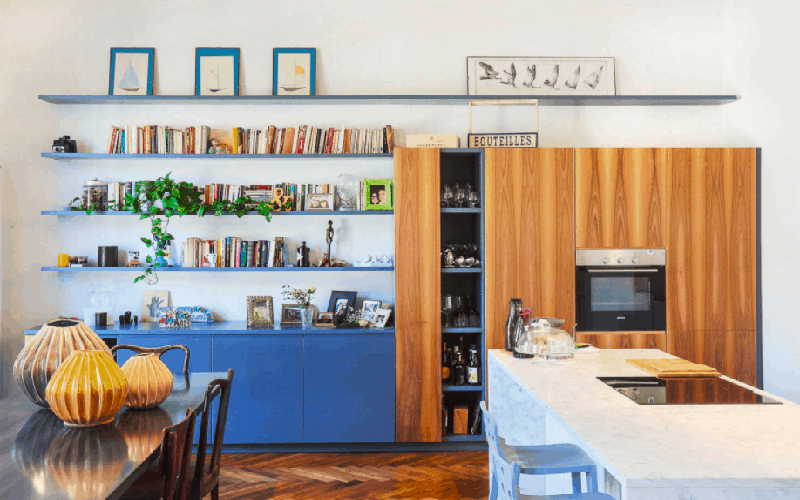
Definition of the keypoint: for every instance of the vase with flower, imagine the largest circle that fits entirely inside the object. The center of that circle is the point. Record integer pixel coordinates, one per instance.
(303, 297)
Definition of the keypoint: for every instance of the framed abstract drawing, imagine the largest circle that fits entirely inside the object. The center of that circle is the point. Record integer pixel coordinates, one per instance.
(131, 71)
(294, 71)
(216, 71)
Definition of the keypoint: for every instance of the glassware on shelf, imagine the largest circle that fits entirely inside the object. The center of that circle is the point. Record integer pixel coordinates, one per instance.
(474, 317)
(447, 196)
(473, 197)
(448, 256)
(346, 197)
(460, 195)
(95, 192)
(461, 316)
(103, 298)
(447, 310)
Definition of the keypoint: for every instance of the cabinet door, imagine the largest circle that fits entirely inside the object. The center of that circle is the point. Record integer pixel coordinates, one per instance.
(620, 197)
(348, 394)
(627, 340)
(711, 259)
(530, 242)
(266, 404)
(732, 353)
(418, 324)
(199, 350)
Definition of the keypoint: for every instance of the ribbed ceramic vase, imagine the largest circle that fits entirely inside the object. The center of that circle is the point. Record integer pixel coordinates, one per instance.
(149, 381)
(38, 361)
(87, 389)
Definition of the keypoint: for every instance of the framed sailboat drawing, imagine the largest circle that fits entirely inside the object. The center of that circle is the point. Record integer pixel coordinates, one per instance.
(131, 71)
(525, 76)
(216, 71)
(294, 71)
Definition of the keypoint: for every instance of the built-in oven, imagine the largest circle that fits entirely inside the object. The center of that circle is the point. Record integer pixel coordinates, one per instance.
(621, 290)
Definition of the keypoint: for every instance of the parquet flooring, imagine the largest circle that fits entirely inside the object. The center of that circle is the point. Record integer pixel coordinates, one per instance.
(355, 476)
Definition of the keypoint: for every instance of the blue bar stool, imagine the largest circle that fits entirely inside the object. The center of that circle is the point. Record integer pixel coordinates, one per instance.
(506, 463)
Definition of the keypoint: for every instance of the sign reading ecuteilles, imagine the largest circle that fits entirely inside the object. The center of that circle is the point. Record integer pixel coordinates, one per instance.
(507, 140)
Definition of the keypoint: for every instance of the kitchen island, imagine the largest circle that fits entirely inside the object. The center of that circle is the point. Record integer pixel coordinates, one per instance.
(664, 452)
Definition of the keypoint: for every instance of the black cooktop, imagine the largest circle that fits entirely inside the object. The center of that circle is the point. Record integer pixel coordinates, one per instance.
(685, 391)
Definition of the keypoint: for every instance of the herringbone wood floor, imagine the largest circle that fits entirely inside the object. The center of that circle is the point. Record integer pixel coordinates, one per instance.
(355, 476)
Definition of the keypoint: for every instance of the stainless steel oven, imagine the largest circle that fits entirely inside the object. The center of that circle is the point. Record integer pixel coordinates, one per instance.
(621, 290)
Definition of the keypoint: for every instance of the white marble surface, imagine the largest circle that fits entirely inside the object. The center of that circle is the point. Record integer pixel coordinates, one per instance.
(679, 452)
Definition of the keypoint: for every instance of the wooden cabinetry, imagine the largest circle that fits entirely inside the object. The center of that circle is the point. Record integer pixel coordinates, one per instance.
(418, 329)
(530, 243)
(711, 256)
(732, 353)
(620, 197)
(626, 340)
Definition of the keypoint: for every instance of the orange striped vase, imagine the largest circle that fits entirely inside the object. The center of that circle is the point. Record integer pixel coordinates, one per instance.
(87, 389)
(149, 381)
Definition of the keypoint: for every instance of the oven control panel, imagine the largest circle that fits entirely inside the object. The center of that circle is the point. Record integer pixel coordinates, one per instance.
(624, 257)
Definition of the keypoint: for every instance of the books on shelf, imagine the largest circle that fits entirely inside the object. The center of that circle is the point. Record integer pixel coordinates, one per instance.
(235, 252)
(305, 139)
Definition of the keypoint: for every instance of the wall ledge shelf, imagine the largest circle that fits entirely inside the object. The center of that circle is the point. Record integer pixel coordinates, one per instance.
(462, 210)
(325, 213)
(229, 328)
(462, 270)
(107, 156)
(474, 329)
(463, 437)
(219, 269)
(462, 388)
(544, 100)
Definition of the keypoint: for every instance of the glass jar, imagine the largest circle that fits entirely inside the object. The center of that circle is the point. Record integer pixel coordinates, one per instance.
(551, 342)
(346, 192)
(307, 316)
(95, 192)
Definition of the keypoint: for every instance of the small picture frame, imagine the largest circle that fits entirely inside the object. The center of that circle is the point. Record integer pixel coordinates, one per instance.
(382, 316)
(291, 315)
(216, 71)
(294, 71)
(131, 71)
(341, 301)
(369, 309)
(378, 194)
(325, 319)
(319, 202)
(259, 311)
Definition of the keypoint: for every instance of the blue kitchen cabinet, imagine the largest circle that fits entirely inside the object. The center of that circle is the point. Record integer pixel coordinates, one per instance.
(266, 404)
(199, 350)
(349, 389)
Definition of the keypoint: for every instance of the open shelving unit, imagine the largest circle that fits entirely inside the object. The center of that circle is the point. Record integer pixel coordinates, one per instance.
(218, 269)
(108, 156)
(227, 327)
(326, 213)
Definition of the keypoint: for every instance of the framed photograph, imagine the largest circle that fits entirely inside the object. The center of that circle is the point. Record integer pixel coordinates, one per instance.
(131, 71)
(378, 194)
(369, 309)
(325, 319)
(152, 301)
(294, 71)
(216, 71)
(259, 311)
(540, 76)
(319, 202)
(382, 317)
(290, 315)
(340, 301)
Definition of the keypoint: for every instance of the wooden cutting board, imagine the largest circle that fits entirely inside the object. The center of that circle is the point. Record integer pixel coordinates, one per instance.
(674, 368)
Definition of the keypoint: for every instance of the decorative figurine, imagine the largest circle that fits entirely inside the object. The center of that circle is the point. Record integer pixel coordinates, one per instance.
(326, 262)
(135, 319)
(302, 256)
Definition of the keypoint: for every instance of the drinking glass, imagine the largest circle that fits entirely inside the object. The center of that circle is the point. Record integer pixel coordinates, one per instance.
(447, 196)
(458, 306)
(447, 310)
(473, 197)
(460, 196)
(448, 256)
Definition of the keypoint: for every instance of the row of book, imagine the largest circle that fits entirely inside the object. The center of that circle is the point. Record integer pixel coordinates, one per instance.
(158, 139)
(235, 252)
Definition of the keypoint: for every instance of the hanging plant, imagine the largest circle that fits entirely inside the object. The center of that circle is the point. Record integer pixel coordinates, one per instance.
(164, 198)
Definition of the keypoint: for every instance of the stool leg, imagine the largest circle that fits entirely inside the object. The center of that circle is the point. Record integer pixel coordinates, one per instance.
(576, 482)
(591, 480)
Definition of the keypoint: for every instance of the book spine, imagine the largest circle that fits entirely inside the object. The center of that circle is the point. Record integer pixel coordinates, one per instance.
(301, 139)
(389, 139)
(288, 141)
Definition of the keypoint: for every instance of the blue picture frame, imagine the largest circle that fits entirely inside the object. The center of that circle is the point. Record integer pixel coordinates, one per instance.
(312, 77)
(151, 53)
(216, 51)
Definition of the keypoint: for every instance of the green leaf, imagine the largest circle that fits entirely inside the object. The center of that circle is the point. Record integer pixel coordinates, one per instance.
(201, 211)
(143, 216)
(138, 278)
(148, 259)
(146, 241)
(160, 253)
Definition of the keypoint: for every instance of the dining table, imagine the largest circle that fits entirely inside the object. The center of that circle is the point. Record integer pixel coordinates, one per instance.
(42, 458)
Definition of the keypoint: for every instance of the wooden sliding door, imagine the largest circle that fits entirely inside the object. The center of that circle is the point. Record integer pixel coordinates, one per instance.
(530, 235)
(418, 392)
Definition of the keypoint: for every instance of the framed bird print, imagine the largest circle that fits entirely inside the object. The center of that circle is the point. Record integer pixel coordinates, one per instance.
(294, 71)
(131, 71)
(540, 76)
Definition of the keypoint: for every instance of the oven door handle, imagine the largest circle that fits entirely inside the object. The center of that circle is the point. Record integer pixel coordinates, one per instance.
(637, 270)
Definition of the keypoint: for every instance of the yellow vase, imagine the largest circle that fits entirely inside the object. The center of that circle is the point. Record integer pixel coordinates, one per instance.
(149, 381)
(87, 389)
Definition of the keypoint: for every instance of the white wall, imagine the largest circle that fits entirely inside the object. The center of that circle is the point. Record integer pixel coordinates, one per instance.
(413, 47)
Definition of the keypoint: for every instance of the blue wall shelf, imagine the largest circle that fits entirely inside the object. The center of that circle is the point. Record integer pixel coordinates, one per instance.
(462, 388)
(462, 330)
(461, 270)
(544, 100)
(463, 437)
(325, 213)
(220, 269)
(461, 210)
(229, 328)
(101, 156)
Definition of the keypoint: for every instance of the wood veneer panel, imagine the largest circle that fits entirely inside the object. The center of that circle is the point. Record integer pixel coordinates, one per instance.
(626, 340)
(732, 353)
(711, 256)
(620, 197)
(530, 244)
(418, 333)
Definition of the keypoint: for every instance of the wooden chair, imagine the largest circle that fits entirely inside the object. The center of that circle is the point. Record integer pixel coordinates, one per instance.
(207, 481)
(552, 459)
(176, 453)
(153, 350)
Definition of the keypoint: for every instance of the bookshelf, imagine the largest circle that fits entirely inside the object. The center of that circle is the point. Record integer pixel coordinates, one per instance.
(323, 213)
(218, 269)
(107, 156)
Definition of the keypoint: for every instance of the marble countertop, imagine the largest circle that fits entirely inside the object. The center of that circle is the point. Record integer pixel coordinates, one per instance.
(646, 444)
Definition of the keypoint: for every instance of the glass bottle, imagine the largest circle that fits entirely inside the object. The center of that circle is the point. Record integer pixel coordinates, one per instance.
(519, 331)
(446, 372)
(459, 371)
(511, 323)
(445, 417)
(474, 366)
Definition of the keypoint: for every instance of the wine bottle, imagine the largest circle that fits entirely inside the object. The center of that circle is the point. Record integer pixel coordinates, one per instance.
(511, 322)
(445, 418)
(446, 371)
(459, 370)
(476, 420)
(474, 367)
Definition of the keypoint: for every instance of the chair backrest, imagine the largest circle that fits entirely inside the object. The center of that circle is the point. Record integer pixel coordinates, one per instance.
(204, 481)
(153, 350)
(504, 476)
(176, 453)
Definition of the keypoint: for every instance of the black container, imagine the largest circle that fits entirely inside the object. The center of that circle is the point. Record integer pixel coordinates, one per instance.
(100, 319)
(107, 256)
